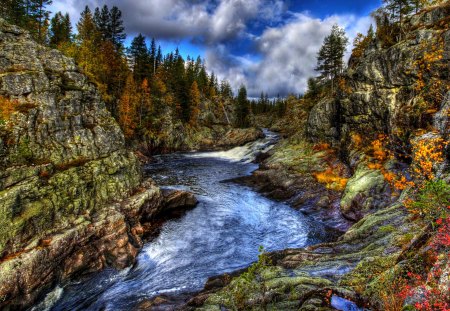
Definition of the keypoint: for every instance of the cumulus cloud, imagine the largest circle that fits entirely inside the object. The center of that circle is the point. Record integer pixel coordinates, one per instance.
(277, 58)
(287, 55)
(211, 21)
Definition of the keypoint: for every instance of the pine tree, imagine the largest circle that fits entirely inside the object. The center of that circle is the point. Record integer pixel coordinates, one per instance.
(60, 29)
(225, 90)
(140, 58)
(242, 109)
(87, 29)
(38, 12)
(398, 9)
(153, 56)
(180, 87)
(116, 29)
(15, 12)
(330, 60)
(102, 21)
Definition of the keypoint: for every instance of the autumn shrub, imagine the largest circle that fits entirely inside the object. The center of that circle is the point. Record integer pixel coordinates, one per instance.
(426, 154)
(7, 108)
(331, 179)
(424, 292)
(429, 84)
(333, 174)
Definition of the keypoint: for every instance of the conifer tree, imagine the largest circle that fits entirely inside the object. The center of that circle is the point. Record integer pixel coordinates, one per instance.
(194, 97)
(330, 60)
(87, 29)
(60, 29)
(140, 58)
(102, 21)
(40, 16)
(14, 11)
(398, 9)
(242, 108)
(116, 29)
(145, 104)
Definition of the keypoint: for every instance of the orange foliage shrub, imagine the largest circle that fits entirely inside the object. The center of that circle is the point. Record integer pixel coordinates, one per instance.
(322, 147)
(332, 176)
(427, 152)
(343, 86)
(429, 83)
(380, 153)
(356, 140)
(360, 44)
(331, 179)
(7, 107)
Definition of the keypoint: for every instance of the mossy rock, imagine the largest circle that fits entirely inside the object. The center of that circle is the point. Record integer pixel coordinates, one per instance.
(366, 191)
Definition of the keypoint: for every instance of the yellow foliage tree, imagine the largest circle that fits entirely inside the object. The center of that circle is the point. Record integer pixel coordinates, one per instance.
(145, 102)
(127, 108)
(194, 96)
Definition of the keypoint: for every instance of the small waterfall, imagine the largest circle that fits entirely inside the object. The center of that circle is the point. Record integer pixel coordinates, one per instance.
(246, 153)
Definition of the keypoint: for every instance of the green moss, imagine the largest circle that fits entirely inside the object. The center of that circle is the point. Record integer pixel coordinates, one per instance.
(367, 270)
(386, 229)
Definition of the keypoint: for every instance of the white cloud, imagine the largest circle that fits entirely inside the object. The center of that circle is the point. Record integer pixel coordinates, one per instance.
(284, 53)
(288, 55)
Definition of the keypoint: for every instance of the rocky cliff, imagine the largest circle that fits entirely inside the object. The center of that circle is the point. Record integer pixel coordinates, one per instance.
(72, 198)
(390, 90)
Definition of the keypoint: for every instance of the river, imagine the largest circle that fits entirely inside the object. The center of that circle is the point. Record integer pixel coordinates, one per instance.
(222, 234)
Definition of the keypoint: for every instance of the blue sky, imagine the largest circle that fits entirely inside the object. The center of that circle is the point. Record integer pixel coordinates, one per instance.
(268, 45)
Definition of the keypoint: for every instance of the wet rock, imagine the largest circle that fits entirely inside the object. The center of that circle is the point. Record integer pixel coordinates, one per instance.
(176, 201)
(322, 120)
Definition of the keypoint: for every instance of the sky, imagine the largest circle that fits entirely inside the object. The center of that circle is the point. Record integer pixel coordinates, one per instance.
(268, 45)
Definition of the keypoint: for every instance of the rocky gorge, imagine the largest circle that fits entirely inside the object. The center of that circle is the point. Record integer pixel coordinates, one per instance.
(73, 198)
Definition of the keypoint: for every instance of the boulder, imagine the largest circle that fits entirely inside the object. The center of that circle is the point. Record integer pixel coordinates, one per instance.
(365, 192)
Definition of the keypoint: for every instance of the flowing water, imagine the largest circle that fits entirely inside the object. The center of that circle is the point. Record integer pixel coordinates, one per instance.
(220, 235)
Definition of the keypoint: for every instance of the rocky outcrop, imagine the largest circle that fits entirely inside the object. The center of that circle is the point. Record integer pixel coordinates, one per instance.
(382, 93)
(307, 278)
(72, 198)
(366, 191)
(239, 137)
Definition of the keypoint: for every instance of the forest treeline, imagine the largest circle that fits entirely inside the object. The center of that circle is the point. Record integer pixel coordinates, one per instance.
(142, 88)
(145, 90)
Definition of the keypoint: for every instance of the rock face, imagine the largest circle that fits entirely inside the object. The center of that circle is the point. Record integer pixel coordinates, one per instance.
(322, 122)
(72, 199)
(382, 87)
